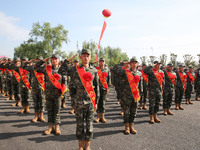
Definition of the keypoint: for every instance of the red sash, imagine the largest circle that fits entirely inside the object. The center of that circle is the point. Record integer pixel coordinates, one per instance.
(40, 78)
(182, 78)
(171, 77)
(133, 85)
(145, 77)
(16, 74)
(87, 85)
(102, 78)
(54, 81)
(24, 77)
(9, 71)
(191, 78)
(158, 77)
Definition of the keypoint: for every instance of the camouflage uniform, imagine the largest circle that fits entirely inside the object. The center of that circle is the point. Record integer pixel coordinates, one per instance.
(4, 84)
(103, 91)
(197, 84)
(179, 89)
(168, 90)
(84, 108)
(129, 103)
(36, 90)
(189, 87)
(154, 91)
(53, 94)
(8, 80)
(25, 93)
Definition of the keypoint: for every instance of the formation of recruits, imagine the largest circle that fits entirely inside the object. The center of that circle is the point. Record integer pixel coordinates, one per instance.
(47, 82)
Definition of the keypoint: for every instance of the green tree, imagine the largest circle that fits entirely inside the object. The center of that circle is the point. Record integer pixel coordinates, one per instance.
(151, 60)
(163, 59)
(188, 59)
(173, 58)
(143, 59)
(44, 41)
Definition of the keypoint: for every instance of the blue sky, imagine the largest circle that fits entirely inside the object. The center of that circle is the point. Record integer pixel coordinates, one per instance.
(136, 26)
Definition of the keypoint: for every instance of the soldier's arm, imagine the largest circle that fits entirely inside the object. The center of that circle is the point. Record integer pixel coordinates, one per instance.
(119, 70)
(109, 77)
(16, 68)
(147, 70)
(96, 86)
(27, 67)
(39, 67)
(140, 85)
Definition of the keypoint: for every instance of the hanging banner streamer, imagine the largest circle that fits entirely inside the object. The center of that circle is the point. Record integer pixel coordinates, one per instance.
(102, 31)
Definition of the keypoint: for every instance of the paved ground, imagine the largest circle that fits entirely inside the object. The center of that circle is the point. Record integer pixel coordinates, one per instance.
(181, 131)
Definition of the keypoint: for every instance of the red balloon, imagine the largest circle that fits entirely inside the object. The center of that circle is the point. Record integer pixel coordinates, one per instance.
(106, 13)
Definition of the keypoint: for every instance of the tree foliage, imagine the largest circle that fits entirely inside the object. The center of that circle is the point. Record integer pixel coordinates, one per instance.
(173, 58)
(188, 60)
(44, 41)
(163, 59)
(143, 60)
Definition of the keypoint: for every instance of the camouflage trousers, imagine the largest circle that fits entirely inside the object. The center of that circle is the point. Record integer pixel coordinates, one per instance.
(1, 83)
(25, 95)
(84, 113)
(154, 101)
(119, 92)
(53, 105)
(38, 99)
(102, 101)
(143, 95)
(178, 95)
(4, 85)
(167, 98)
(16, 91)
(130, 109)
(188, 91)
(9, 87)
(72, 93)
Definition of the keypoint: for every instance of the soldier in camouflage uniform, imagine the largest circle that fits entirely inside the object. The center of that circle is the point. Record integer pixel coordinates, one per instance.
(155, 90)
(84, 106)
(189, 87)
(15, 83)
(4, 85)
(37, 91)
(103, 91)
(1, 72)
(168, 89)
(143, 98)
(130, 100)
(197, 84)
(180, 87)
(24, 90)
(72, 89)
(8, 80)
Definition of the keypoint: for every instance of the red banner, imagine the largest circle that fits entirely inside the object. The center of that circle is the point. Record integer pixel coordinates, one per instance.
(40, 78)
(183, 78)
(102, 31)
(16, 74)
(159, 76)
(23, 74)
(9, 71)
(87, 84)
(54, 80)
(133, 85)
(191, 78)
(145, 77)
(102, 78)
(172, 77)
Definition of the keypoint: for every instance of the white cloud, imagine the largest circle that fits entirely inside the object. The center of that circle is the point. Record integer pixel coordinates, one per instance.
(11, 31)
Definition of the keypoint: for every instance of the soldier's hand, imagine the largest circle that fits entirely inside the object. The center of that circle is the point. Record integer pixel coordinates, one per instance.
(30, 61)
(46, 59)
(69, 59)
(95, 62)
(95, 108)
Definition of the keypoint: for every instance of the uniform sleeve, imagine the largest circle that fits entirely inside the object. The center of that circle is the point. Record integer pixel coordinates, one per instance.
(147, 70)
(39, 67)
(140, 86)
(96, 86)
(64, 68)
(109, 78)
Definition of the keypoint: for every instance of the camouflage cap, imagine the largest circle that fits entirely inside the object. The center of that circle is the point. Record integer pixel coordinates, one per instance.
(133, 59)
(190, 67)
(55, 56)
(156, 62)
(181, 65)
(86, 51)
(75, 60)
(4, 58)
(101, 59)
(125, 60)
(144, 64)
(39, 57)
(16, 59)
(9, 59)
(25, 58)
(170, 65)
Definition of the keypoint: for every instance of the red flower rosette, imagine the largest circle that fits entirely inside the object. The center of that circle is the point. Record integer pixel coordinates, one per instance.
(57, 76)
(136, 78)
(87, 76)
(104, 74)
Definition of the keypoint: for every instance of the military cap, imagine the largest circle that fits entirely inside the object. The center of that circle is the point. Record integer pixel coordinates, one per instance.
(144, 64)
(170, 65)
(9, 59)
(101, 59)
(125, 60)
(4, 58)
(181, 65)
(55, 56)
(156, 62)
(86, 51)
(39, 57)
(16, 59)
(190, 67)
(75, 60)
(133, 59)
(25, 58)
